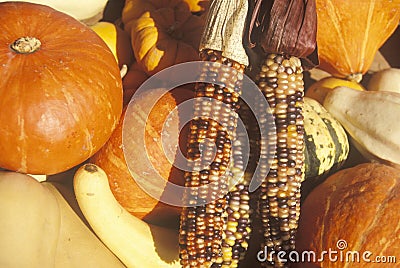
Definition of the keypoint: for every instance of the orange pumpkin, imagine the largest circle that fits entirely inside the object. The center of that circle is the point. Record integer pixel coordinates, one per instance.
(349, 34)
(163, 32)
(111, 157)
(60, 92)
(353, 212)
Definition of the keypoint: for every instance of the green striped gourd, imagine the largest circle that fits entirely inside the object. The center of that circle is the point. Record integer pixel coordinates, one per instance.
(326, 141)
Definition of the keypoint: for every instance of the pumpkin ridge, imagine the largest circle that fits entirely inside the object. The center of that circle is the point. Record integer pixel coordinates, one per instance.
(391, 195)
(341, 41)
(366, 33)
(378, 215)
(385, 28)
(152, 58)
(181, 24)
(20, 109)
(24, 157)
(325, 217)
(112, 157)
(174, 30)
(72, 102)
(390, 242)
(22, 132)
(144, 40)
(184, 48)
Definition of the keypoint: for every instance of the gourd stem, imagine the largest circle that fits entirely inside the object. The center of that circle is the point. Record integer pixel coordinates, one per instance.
(26, 45)
(91, 168)
(356, 77)
(39, 177)
(123, 71)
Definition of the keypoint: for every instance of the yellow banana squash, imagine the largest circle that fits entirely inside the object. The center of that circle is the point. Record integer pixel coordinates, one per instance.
(133, 241)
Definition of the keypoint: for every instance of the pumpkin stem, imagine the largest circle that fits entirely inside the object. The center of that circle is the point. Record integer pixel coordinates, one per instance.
(26, 45)
(356, 77)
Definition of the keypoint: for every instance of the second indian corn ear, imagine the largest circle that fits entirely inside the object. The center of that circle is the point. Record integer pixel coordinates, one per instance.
(285, 31)
(281, 81)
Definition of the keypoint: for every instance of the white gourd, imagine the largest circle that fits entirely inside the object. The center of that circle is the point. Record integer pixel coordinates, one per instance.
(372, 120)
(385, 80)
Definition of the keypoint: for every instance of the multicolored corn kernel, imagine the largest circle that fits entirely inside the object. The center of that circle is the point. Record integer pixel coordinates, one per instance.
(281, 81)
(236, 232)
(212, 131)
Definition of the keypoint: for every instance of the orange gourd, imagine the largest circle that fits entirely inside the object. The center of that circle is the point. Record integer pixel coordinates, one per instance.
(60, 91)
(349, 34)
(163, 33)
(354, 211)
(111, 158)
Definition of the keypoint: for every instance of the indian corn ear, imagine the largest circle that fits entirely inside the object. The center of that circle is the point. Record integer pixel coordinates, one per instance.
(285, 34)
(204, 223)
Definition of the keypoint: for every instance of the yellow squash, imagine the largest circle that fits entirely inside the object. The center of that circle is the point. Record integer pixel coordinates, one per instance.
(117, 40)
(321, 88)
(135, 242)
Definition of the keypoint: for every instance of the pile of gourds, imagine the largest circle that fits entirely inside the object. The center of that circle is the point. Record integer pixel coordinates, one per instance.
(67, 79)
